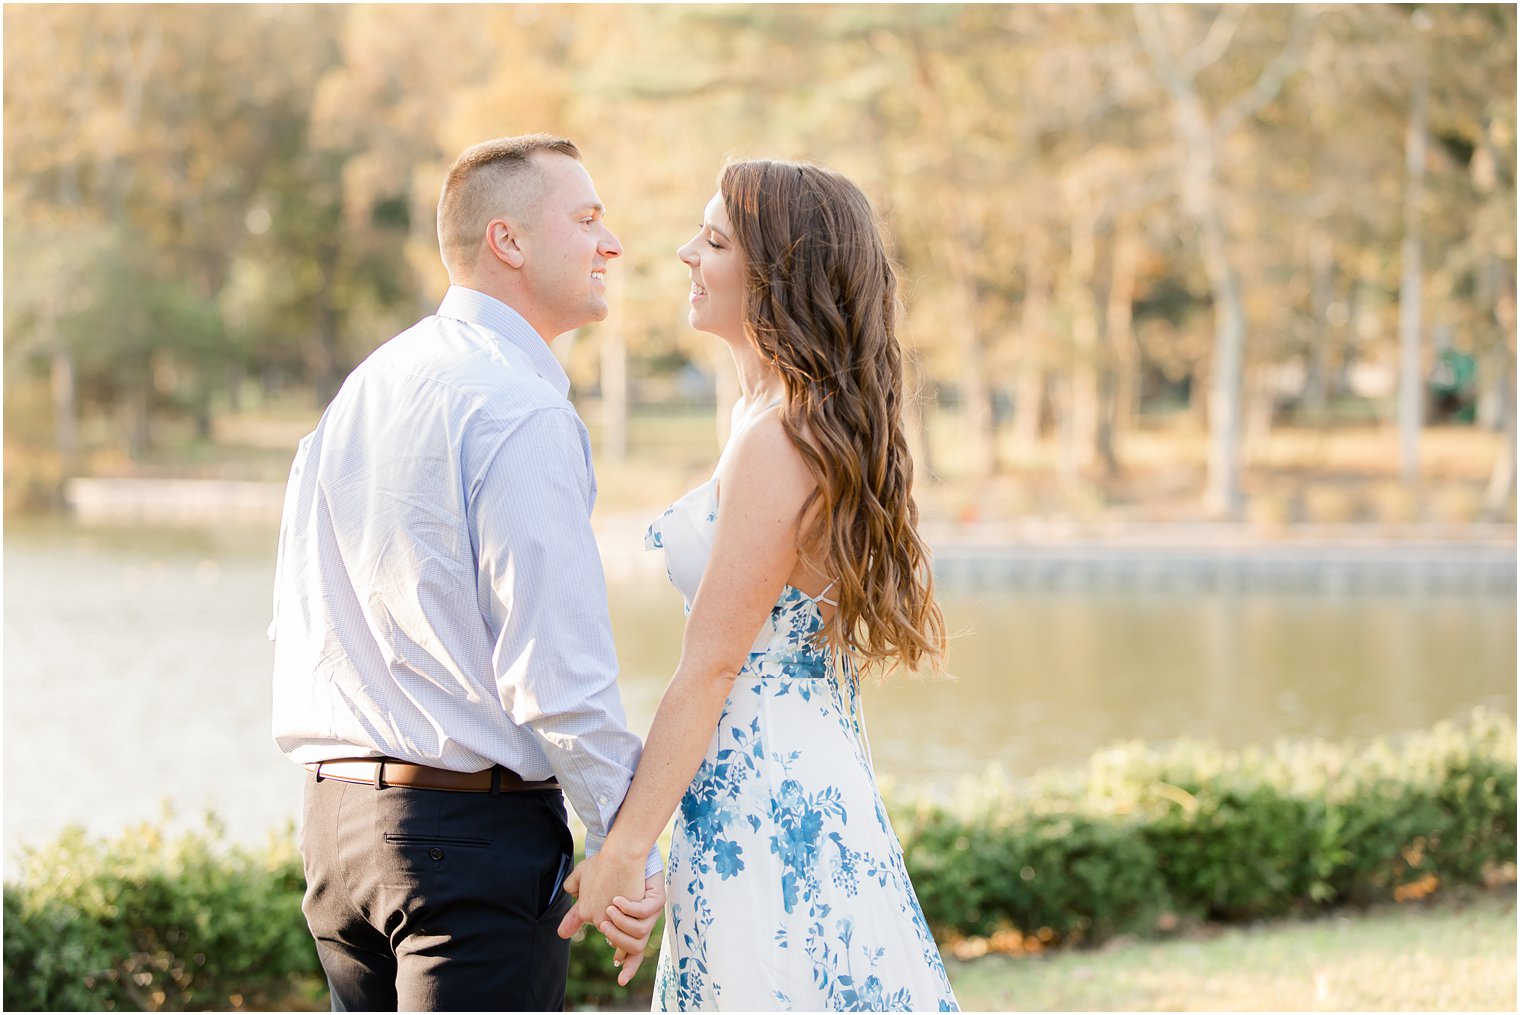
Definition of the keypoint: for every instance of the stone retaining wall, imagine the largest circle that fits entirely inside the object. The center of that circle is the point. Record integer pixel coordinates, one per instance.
(174, 501)
(1393, 569)
(1033, 557)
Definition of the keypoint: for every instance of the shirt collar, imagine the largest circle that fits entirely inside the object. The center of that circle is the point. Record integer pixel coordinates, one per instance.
(474, 307)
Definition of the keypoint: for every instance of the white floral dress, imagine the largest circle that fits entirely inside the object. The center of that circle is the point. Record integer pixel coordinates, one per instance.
(785, 883)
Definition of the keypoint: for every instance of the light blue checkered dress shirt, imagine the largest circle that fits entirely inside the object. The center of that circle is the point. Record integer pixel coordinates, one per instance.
(438, 594)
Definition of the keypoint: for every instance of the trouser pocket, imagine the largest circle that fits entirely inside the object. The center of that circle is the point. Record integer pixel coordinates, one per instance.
(551, 890)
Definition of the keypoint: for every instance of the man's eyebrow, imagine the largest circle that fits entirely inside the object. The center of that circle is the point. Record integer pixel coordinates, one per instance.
(595, 206)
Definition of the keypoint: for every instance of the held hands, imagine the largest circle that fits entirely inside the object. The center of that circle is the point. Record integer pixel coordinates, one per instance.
(619, 902)
(629, 924)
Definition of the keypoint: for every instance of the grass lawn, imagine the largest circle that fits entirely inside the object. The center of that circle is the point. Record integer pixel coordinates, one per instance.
(1445, 954)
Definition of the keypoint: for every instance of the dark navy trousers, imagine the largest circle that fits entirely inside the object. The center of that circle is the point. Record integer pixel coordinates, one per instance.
(424, 900)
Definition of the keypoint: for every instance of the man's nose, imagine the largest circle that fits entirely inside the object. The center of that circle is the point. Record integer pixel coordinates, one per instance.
(610, 245)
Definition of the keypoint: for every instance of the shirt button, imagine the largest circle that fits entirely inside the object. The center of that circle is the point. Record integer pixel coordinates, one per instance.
(436, 853)
(602, 799)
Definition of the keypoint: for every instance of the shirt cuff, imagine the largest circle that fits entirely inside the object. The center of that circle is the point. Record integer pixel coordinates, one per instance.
(594, 844)
(653, 864)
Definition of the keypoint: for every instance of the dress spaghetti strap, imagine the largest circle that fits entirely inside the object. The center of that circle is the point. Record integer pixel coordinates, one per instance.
(734, 436)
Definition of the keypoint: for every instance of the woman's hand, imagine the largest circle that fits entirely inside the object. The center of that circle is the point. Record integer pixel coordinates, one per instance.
(629, 925)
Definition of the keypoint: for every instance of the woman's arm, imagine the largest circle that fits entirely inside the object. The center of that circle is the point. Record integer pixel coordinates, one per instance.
(761, 493)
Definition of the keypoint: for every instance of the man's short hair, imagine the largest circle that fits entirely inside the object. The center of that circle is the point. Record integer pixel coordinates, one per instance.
(495, 178)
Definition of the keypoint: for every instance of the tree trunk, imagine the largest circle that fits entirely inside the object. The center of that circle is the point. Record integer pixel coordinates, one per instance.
(324, 354)
(1198, 395)
(960, 243)
(1224, 496)
(1259, 407)
(1122, 378)
(1080, 421)
(65, 410)
(1198, 136)
(203, 410)
(1321, 296)
(1029, 408)
(976, 395)
(237, 374)
(139, 419)
(1223, 493)
(322, 358)
(1411, 385)
(1501, 481)
(1029, 390)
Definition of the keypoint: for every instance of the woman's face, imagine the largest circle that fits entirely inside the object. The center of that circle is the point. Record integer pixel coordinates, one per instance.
(717, 275)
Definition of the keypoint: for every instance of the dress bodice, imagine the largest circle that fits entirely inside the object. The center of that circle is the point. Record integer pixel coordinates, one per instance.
(684, 533)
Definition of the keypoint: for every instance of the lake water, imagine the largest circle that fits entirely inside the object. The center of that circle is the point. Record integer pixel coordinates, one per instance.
(137, 672)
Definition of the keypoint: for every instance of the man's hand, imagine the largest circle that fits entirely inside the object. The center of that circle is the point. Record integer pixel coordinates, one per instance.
(629, 924)
(595, 882)
(625, 923)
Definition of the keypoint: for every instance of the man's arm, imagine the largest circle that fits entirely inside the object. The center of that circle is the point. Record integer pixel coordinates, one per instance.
(544, 599)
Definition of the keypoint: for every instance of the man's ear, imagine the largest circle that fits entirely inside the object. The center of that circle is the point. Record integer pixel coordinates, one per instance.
(502, 238)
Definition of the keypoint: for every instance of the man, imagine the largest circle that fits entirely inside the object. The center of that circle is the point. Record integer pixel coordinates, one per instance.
(444, 665)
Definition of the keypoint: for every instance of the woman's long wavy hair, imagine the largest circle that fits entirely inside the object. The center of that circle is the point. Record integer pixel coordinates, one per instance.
(821, 306)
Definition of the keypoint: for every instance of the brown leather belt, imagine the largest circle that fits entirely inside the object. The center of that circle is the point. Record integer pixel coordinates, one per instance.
(383, 772)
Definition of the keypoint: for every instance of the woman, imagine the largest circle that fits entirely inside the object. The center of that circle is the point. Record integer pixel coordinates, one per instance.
(800, 567)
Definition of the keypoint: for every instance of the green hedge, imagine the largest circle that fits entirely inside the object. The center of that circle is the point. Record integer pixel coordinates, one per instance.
(1146, 839)
(1137, 843)
(147, 922)
(153, 922)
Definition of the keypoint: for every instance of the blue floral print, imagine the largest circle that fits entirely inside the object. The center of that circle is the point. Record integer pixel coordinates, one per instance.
(786, 884)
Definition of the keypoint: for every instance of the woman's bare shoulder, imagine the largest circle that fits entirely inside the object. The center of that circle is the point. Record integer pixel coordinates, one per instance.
(767, 462)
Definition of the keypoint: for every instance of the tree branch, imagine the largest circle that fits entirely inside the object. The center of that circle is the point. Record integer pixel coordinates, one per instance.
(1270, 83)
(1212, 48)
(1154, 41)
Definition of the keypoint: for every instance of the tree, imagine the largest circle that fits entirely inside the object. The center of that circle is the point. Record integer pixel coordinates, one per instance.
(1411, 278)
(1200, 136)
(148, 131)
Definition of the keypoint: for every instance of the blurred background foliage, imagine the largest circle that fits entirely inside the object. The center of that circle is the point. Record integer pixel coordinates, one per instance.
(1229, 221)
